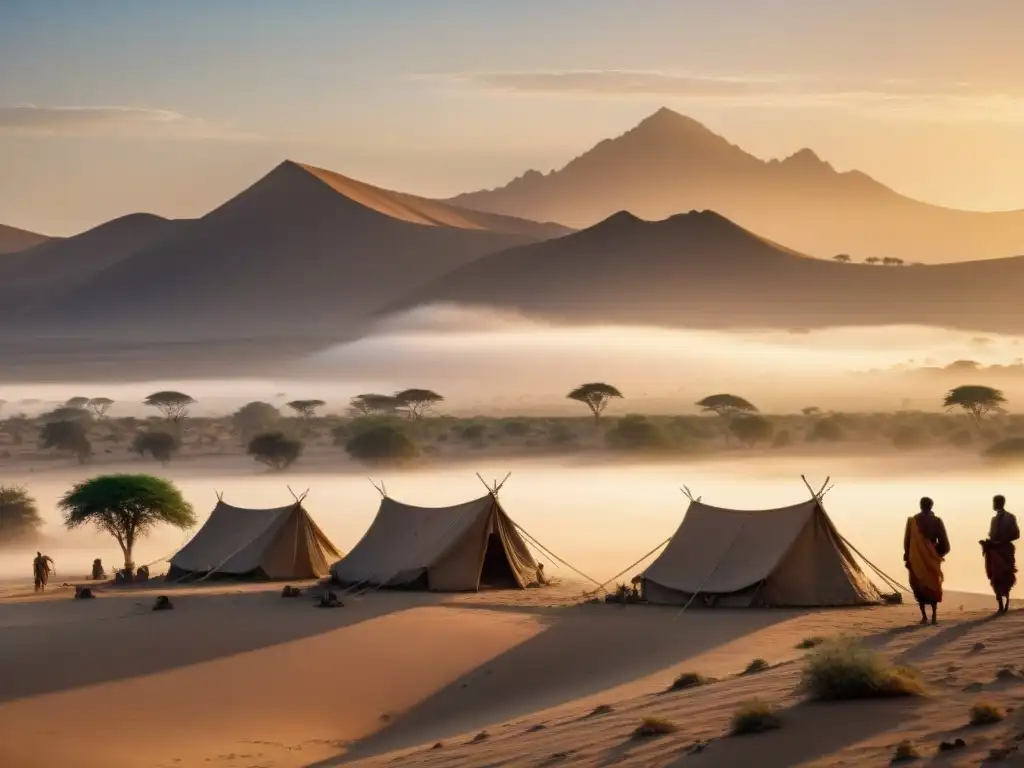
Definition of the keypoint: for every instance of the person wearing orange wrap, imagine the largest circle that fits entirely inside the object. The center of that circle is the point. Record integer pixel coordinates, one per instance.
(925, 544)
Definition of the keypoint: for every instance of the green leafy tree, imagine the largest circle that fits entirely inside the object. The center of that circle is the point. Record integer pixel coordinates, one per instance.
(372, 404)
(99, 406)
(127, 507)
(416, 402)
(275, 449)
(751, 429)
(158, 444)
(20, 520)
(255, 418)
(173, 405)
(68, 436)
(595, 395)
(975, 400)
(382, 445)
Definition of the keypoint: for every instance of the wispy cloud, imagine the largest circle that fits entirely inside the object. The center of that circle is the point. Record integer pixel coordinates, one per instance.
(33, 120)
(893, 97)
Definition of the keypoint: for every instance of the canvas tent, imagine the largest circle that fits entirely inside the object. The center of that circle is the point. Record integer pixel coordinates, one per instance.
(278, 543)
(791, 556)
(442, 549)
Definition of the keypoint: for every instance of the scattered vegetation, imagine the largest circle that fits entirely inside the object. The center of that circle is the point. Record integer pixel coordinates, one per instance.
(688, 680)
(596, 396)
(986, 713)
(637, 433)
(810, 642)
(757, 665)
(905, 752)
(975, 400)
(275, 449)
(843, 669)
(654, 726)
(382, 445)
(66, 436)
(160, 445)
(754, 716)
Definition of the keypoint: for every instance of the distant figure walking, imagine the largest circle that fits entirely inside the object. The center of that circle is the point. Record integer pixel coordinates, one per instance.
(41, 567)
(925, 543)
(1000, 552)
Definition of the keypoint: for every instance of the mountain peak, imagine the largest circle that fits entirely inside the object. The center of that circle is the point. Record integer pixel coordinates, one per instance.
(670, 124)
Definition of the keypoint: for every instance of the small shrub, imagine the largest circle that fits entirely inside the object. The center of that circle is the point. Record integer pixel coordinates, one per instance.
(843, 670)
(904, 752)
(160, 445)
(654, 726)
(1010, 449)
(986, 713)
(274, 449)
(382, 444)
(810, 642)
(688, 680)
(754, 716)
(516, 428)
(757, 665)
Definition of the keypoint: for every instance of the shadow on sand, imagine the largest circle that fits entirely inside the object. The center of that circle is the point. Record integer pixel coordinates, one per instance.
(202, 627)
(583, 651)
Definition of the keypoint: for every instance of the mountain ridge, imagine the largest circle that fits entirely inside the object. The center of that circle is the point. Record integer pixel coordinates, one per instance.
(15, 240)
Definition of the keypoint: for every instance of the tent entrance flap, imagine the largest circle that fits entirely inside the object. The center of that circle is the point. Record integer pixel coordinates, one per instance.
(496, 572)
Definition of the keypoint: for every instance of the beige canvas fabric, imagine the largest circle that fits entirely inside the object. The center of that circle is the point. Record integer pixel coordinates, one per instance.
(790, 556)
(279, 543)
(438, 548)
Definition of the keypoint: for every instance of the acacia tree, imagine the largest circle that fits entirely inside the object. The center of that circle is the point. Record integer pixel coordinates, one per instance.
(19, 515)
(173, 405)
(416, 402)
(841, 258)
(306, 409)
(726, 407)
(976, 400)
(99, 405)
(596, 396)
(374, 405)
(127, 507)
(76, 402)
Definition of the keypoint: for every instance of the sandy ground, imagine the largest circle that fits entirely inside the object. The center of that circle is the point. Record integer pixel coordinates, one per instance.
(237, 677)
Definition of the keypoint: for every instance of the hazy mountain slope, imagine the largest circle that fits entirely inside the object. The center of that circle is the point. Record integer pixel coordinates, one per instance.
(670, 163)
(302, 251)
(701, 270)
(13, 239)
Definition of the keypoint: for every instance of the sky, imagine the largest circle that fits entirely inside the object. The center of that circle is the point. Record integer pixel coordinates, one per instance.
(116, 106)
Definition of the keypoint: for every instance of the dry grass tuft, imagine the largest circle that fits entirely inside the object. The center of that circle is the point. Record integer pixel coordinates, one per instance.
(754, 716)
(600, 709)
(905, 752)
(757, 665)
(844, 670)
(986, 713)
(810, 642)
(689, 680)
(654, 726)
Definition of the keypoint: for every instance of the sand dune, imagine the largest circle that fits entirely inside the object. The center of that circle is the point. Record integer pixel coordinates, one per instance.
(235, 676)
(13, 239)
(670, 163)
(701, 270)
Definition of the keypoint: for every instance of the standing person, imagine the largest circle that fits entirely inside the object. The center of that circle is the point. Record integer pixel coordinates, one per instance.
(1000, 552)
(924, 545)
(41, 570)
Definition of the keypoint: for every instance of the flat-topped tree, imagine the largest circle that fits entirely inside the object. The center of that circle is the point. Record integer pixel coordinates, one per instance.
(173, 405)
(127, 507)
(306, 409)
(372, 404)
(99, 405)
(595, 395)
(416, 402)
(20, 520)
(976, 400)
(726, 405)
(76, 402)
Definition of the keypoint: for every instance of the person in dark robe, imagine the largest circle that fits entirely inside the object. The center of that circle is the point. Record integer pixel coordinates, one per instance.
(41, 570)
(925, 544)
(97, 570)
(1000, 552)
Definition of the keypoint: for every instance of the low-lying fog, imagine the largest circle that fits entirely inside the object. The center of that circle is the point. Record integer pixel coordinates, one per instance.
(487, 362)
(599, 518)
